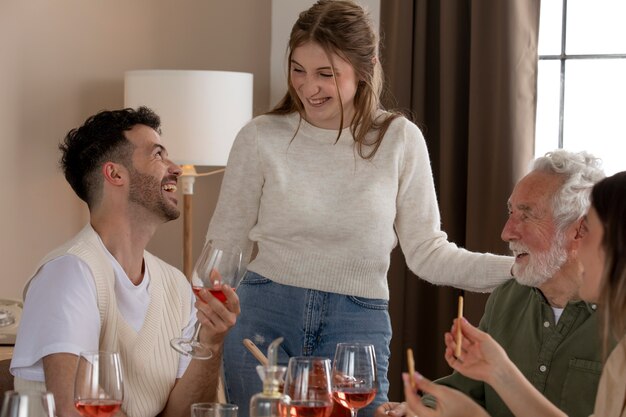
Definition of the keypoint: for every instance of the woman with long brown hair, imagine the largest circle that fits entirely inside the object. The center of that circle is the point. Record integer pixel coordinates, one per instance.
(325, 185)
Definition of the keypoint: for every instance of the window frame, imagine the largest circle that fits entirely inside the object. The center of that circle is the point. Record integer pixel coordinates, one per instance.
(563, 57)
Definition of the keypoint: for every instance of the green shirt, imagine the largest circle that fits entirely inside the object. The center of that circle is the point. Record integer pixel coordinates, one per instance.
(562, 361)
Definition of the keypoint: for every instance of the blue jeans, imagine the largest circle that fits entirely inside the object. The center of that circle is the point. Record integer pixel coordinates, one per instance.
(312, 323)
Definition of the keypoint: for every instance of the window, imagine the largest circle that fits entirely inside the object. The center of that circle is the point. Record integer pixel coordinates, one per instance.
(581, 85)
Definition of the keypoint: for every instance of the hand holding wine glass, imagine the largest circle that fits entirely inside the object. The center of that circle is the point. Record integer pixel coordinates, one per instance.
(307, 388)
(218, 265)
(354, 377)
(98, 386)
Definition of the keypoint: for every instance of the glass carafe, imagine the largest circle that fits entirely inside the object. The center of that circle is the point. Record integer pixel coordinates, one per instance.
(266, 403)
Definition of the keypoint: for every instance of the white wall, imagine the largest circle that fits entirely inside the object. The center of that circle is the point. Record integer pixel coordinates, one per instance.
(284, 15)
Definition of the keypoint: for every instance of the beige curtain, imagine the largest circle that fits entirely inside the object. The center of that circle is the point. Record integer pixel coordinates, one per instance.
(466, 71)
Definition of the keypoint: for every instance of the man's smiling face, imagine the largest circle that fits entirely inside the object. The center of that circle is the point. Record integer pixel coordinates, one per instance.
(531, 231)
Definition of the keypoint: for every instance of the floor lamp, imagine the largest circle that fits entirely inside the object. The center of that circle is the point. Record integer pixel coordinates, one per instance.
(201, 113)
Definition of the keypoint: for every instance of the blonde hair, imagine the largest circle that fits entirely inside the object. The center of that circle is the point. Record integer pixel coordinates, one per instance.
(342, 27)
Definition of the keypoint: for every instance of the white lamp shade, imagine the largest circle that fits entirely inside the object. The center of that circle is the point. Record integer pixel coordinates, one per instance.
(201, 111)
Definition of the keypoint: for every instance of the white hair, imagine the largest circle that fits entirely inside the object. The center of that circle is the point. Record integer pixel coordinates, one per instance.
(580, 171)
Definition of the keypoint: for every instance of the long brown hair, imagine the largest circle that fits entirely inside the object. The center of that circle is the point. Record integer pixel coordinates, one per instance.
(342, 27)
(609, 200)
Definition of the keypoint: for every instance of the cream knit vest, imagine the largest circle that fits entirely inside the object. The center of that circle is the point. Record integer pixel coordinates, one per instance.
(149, 363)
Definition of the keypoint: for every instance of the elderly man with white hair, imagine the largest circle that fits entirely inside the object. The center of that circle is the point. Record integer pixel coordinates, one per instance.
(538, 318)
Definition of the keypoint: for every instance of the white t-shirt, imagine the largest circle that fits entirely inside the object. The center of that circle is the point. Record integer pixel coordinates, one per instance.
(61, 314)
(557, 314)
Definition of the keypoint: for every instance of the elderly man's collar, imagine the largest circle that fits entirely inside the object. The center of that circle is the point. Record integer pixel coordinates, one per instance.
(591, 307)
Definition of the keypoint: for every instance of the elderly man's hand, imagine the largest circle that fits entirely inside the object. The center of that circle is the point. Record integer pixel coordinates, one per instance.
(391, 409)
(217, 317)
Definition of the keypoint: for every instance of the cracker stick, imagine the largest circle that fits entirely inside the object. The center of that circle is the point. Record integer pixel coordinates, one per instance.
(411, 364)
(459, 335)
(256, 352)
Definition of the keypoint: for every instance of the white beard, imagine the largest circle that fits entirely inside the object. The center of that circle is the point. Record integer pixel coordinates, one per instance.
(541, 266)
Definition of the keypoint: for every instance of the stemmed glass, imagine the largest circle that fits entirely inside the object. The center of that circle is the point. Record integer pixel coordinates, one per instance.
(27, 404)
(213, 410)
(354, 377)
(218, 264)
(307, 388)
(98, 385)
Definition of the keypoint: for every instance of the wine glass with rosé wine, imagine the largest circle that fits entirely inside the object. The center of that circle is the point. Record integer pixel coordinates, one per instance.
(354, 377)
(307, 388)
(219, 264)
(98, 385)
(213, 410)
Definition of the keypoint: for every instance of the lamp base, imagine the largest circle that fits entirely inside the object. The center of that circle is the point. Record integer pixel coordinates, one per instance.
(188, 178)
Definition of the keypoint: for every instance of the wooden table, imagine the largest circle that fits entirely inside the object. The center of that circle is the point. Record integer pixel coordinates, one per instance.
(6, 352)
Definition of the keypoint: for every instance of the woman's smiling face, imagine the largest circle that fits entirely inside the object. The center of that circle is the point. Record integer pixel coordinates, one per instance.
(316, 79)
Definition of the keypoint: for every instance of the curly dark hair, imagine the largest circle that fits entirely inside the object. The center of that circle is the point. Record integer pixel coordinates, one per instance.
(101, 138)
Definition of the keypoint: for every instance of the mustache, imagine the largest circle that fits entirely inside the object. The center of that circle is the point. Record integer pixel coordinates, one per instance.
(169, 178)
(516, 247)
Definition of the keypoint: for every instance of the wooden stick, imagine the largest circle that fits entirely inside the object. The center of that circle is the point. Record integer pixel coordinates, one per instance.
(256, 352)
(411, 364)
(459, 335)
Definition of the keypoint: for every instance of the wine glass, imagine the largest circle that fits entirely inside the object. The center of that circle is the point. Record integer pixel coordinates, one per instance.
(27, 404)
(98, 386)
(213, 410)
(354, 378)
(218, 264)
(307, 388)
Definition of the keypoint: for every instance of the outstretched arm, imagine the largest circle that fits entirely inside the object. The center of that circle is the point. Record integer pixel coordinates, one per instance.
(482, 358)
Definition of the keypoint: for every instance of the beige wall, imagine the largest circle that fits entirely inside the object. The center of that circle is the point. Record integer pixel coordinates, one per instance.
(63, 60)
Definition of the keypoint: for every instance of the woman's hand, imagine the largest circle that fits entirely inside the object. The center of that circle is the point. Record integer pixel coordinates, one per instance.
(482, 358)
(391, 410)
(450, 402)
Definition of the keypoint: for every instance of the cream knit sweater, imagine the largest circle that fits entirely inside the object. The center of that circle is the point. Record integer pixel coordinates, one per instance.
(326, 219)
(149, 364)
